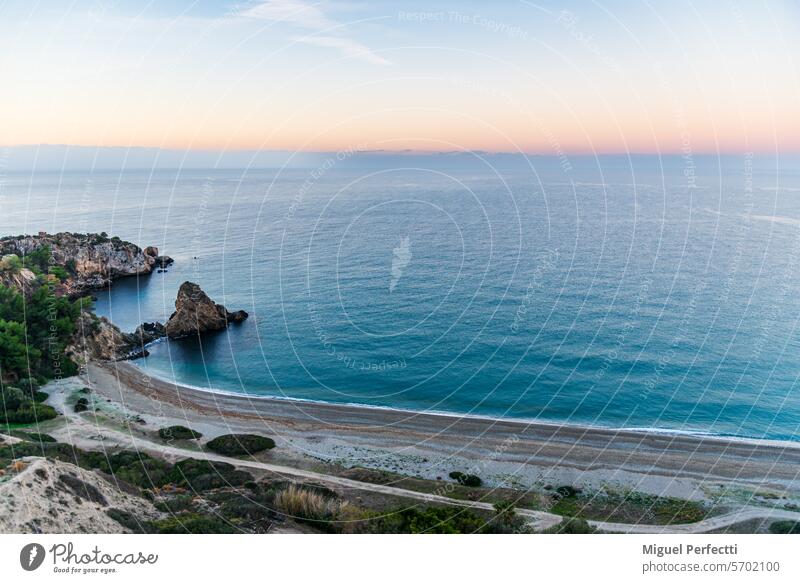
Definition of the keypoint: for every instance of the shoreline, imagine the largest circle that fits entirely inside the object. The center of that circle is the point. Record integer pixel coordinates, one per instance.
(783, 443)
(505, 453)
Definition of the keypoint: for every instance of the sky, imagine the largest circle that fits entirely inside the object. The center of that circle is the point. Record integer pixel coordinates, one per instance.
(514, 76)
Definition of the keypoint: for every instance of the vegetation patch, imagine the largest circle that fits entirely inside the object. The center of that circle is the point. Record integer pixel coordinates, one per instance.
(306, 504)
(201, 475)
(240, 444)
(629, 507)
(443, 521)
(129, 521)
(193, 524)
(178, 432)
(20, 405)
(32, 436)
(571, 526)
(785, 527)
(35, 330)
(466, 479)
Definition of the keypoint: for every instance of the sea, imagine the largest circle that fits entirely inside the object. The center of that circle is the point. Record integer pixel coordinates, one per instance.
(624, 293)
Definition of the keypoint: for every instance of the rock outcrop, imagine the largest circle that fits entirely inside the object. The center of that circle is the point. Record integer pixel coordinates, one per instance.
(90, 261)
(195, 313)
(98, 339)
(15, 277)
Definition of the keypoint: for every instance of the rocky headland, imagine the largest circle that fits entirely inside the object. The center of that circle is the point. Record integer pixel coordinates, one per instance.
(77, 263)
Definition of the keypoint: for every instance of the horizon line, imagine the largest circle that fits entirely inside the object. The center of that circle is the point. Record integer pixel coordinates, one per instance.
(354, 150)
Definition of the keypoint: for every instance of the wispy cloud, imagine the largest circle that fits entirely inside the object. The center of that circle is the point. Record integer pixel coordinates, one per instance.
(302, 14)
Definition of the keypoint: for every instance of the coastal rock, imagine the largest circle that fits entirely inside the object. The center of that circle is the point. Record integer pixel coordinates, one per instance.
(237, 316)
(149, 332)
(15, 277)
(98, 339)
(195, 313)
(163, 261)
(87, 261)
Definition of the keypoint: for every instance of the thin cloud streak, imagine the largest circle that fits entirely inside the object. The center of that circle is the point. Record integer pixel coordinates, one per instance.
(301, 14)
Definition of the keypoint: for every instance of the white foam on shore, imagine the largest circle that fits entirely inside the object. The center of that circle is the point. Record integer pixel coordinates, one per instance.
(666, 431)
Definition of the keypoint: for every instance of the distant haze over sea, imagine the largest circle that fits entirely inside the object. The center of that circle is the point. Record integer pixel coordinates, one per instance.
(54, 158)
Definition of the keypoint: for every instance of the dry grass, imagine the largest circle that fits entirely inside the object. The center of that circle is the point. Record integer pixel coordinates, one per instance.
(299, 502)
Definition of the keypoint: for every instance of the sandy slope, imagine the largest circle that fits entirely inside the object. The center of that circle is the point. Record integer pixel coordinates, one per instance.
(49, 496)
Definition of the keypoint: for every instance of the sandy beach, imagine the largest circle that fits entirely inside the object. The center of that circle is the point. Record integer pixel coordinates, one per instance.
(503, 452)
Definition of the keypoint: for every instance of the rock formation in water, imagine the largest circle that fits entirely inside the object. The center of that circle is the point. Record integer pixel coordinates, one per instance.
(80, 262)
(195, 313)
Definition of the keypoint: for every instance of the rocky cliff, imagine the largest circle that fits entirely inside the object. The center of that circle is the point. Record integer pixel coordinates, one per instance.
(195, 313)
(97, 338)
(85, 262)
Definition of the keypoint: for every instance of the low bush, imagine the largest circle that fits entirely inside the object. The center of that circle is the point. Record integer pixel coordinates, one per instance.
(175, 504)
(28, 412)
(81, 405)
(448, 520)
(785, 527)
(240, 444)
(572, 526)
(130, 522)
(134, 467)
(466, 479)
(201, 475)
(176, 432)
(34, 437)
(567, 491)
(40, 396)
(193, 524)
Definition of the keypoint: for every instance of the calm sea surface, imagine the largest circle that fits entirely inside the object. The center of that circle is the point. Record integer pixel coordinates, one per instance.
(623, 299)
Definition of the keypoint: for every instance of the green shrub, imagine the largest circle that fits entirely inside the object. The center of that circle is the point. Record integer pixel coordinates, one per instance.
(81, 405)
(59, 272)
(130, 522)
(178, 432)
(194, 524)
(785, 527)
(201, 475)
(567, 491)
(33, 340)
(253, 509)
(34, 437)
(40, 396)
(11, 398)
(466, 479)
(28, 412)
(448, 520)
(572, 526)
(240, 444)
(134, 467)
(175, 504)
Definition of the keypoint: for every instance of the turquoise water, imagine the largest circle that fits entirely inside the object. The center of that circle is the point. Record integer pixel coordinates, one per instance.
(611, 296)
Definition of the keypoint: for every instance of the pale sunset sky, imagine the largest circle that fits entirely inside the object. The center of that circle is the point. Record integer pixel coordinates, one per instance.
(535, 77)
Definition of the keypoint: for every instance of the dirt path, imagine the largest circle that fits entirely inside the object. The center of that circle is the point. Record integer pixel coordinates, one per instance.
(709, 524)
